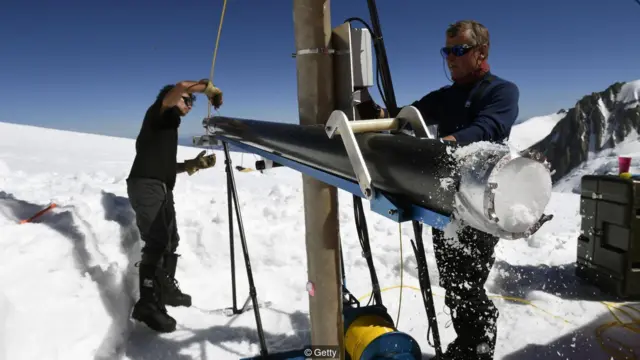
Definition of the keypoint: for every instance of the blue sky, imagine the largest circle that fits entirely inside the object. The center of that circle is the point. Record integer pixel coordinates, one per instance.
(95, 66)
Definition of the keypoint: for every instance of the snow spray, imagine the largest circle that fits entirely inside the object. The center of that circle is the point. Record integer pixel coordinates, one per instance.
(501, 192)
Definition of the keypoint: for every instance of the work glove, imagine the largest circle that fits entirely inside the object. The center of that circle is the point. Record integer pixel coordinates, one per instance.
(199, 162)
(214, 94)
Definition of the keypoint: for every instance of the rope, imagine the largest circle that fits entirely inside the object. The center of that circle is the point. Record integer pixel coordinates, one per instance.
(401, 273)
(213, 64)
(618, 350)
(215, 52)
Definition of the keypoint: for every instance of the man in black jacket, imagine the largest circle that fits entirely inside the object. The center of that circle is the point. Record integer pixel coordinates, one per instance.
(150, 188)
(478, 106)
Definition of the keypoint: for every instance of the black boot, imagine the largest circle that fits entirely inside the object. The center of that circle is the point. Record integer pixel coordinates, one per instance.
(171, 291)
(150, 308)
(458, 350)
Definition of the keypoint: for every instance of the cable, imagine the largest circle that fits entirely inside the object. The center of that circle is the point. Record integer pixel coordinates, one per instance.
(382, 58)
(373, 35)
(616, 350)
(444, 68)
(401, 274)
(363, 235)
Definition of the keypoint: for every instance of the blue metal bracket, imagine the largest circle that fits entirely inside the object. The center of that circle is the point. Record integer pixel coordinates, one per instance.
(381, 203)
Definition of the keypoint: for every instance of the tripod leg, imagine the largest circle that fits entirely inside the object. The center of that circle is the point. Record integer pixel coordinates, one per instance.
(252, 288)
(425, 287)
(231, 249)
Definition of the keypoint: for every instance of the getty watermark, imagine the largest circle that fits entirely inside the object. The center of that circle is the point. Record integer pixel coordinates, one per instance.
(322, 352)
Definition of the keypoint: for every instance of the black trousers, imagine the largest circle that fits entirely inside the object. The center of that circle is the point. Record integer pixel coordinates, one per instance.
(464, 265)
(156, 218)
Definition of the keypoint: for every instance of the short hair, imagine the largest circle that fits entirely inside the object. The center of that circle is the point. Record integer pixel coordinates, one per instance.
(478, 33)
(165, 90)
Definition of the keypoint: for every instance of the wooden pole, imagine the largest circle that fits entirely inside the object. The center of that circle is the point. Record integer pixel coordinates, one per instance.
(312, 26)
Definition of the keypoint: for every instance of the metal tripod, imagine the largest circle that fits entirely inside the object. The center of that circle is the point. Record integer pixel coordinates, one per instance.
(232, 199)
(425, 287)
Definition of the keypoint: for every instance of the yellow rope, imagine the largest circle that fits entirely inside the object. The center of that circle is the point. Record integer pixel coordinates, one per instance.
(618, 350)
(215, 51)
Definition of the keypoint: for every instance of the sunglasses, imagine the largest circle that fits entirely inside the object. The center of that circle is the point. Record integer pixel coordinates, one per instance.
(457, 50)
(188, 100)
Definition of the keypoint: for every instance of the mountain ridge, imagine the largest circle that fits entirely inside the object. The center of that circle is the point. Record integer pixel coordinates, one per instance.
(597, 122)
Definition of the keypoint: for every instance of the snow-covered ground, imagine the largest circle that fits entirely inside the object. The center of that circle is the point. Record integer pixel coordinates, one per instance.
(529, 132)
(604, 162)
(630, 94)
(68, 281)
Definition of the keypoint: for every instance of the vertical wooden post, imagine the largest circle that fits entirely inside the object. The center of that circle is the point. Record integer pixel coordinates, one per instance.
(312, 26)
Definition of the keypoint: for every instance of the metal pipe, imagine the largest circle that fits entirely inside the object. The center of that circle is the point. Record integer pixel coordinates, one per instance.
(362, 126)
(404, 166)
(484, 186)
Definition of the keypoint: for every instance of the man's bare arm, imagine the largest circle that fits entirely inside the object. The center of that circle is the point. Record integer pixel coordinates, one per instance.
(172, 98)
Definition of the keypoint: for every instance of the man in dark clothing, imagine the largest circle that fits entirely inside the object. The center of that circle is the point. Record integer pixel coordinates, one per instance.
(150, 188)
(478, 106)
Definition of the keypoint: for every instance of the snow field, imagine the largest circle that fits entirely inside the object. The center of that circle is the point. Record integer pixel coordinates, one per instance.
(68, 280)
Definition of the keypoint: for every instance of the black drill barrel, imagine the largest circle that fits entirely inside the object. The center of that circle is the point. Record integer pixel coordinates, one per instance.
(416, 171)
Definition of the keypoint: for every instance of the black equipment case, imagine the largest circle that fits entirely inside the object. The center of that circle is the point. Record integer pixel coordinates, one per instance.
(609, 241)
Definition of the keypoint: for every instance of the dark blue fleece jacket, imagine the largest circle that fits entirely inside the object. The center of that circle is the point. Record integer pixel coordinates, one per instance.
(489, 118)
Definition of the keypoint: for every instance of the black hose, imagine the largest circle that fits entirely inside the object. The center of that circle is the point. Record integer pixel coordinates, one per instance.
(383, 74)
(381, 56)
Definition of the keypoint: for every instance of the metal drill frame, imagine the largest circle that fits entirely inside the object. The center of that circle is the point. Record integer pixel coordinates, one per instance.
(489, 194)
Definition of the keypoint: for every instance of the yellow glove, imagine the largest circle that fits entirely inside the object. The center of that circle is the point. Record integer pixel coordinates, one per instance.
(214, 94)
(200, 162)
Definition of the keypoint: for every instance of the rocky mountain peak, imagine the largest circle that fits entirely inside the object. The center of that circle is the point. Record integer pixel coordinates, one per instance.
(597, 122)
